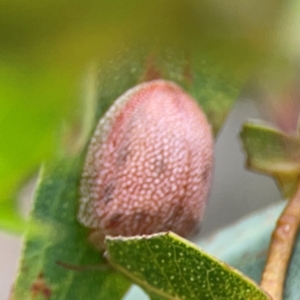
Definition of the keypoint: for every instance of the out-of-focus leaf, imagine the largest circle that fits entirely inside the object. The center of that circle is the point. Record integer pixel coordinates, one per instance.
(169, 267)
(31, 111)
(55, 235)
(10, 219)
(67, 34)
(273, 152)
(248, 247)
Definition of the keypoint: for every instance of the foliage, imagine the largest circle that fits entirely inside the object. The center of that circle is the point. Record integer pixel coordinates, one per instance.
(54, 235)
(273, 152)
(169, 267)
(42, 61)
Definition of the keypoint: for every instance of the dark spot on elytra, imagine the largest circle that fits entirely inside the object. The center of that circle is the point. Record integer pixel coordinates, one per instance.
(177, 212)
(140, 216)
(205, 174)
(114, 220)
(108, 193)
(159, 166)
(123, 155)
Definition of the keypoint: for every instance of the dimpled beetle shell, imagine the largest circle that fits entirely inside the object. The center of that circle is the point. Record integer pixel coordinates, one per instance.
(148, 166)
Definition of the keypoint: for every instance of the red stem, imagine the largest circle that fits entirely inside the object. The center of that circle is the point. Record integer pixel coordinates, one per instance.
(281, 247)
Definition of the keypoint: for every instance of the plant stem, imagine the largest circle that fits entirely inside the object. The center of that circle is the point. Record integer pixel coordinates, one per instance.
(281, 248)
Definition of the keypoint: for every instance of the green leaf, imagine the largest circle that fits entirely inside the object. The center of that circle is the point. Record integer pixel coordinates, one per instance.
(55, 235)
(10, 219)
(248, 252)
(170, 267)
(32, 107)
(273, 152)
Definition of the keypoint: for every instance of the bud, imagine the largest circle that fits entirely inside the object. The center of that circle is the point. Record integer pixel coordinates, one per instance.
(148, 166)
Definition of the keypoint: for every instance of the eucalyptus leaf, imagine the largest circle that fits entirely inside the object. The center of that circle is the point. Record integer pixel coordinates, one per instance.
(169, 267)
(54, 236)
(273, 152)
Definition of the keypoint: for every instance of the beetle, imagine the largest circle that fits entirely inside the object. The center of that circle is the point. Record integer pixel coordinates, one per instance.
(148, 166)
